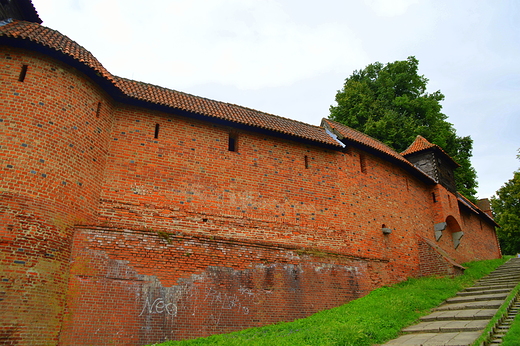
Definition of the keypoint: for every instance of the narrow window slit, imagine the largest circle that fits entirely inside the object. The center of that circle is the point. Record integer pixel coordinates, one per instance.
(232, 143)
(362, 163)
(23, 73)
(156, 135)
(306, 158)
(434, 197)
(98, 109)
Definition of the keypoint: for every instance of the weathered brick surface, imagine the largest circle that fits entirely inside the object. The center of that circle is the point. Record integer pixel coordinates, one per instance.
(111, 235)
(52, 154)
(181, 286)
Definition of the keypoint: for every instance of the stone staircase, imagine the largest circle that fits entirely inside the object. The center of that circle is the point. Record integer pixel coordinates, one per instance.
(460, 320)
(502, 326)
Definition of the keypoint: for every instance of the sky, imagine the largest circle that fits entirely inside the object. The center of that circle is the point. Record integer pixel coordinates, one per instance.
(290, 57)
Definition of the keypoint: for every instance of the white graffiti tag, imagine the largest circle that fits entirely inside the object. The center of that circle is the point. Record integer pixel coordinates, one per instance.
(159, 306)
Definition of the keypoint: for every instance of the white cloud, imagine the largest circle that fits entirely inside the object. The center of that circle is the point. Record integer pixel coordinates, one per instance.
(390, 8)
(289, 58)
(243, 43)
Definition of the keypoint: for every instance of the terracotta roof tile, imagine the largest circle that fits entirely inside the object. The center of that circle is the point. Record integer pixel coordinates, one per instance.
(470, 205)
(350, 134)
(162, 96)
(421, 144)
(53, 39)
(19, 10)
(221, 110)
(344, 132)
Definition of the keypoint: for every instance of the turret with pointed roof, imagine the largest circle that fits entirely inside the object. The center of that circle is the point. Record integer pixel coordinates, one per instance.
(432, 160)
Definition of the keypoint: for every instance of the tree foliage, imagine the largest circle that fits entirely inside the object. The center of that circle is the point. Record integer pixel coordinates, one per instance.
(506, 209)
(390, 103)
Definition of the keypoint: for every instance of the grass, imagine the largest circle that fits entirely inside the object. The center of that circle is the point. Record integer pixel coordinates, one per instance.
(513, 335)
(373, 319)
(502, 311)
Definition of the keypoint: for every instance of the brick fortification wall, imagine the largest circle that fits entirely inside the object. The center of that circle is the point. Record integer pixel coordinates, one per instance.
(53, 150)
(184, 286)
(168, 201)
(127, 225)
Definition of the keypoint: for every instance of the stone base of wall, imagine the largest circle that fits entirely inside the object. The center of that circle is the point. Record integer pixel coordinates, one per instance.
(139, 287)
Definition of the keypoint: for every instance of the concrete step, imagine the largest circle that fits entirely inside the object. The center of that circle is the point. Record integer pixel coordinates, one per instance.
(461, 320)
(430, 339)
(453, 315)
(484, 291)
(495, 285)
(487, 288)
(480, 297)
(499, 279)
(447, 326)
(505, 271)
(488, 304)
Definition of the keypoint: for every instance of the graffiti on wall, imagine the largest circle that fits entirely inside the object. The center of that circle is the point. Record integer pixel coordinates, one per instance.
(216, 299)
(225, 292)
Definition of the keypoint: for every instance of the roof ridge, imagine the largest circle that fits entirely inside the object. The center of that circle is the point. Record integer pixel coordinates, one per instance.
(473, 206)
(212, 100)
(421, 144)
(364, 134)
(368, 141)
(416, 141)
(42, 36)
(33, 29)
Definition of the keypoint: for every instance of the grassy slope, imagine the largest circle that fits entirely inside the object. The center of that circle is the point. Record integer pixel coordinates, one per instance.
(512, 337)
(373, 319)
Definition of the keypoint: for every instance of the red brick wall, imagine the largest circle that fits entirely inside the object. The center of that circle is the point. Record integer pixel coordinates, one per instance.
(479, 241)
(435, 261)
(176, 236)
(137, 287)
(175, 181)
(186, 182)
(52, 154)
(472, 246)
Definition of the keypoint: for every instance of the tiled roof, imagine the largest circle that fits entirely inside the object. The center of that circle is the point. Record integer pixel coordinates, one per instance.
(470, 205)
(345, 132)
(161, 96)
(421, 144)
(222, 110)
(467, 203)
(44, 36)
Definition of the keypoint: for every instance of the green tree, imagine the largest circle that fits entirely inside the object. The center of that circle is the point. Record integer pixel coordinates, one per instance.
(390, 103)
(506, 209)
